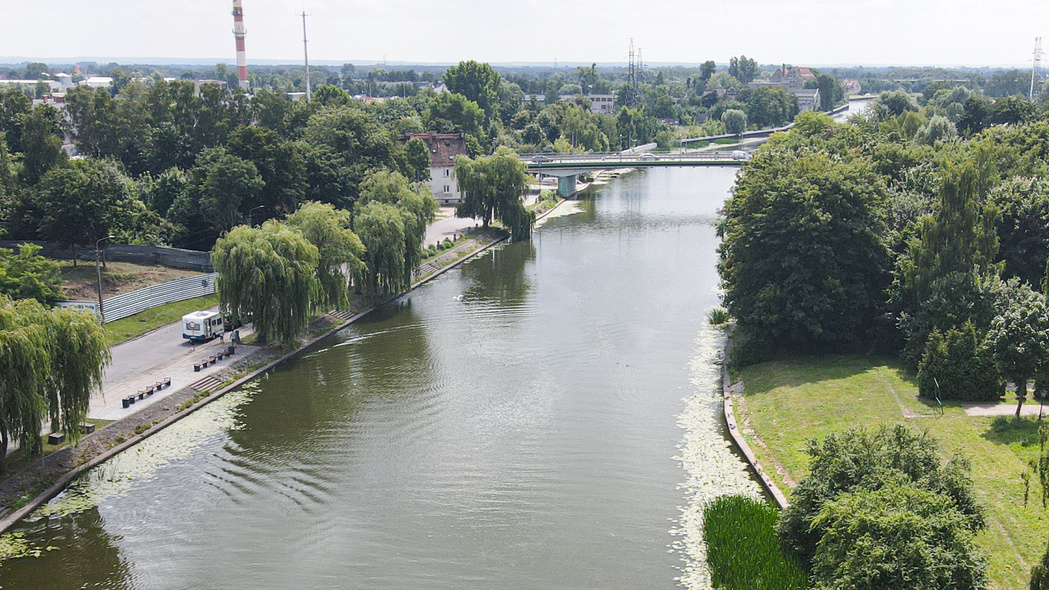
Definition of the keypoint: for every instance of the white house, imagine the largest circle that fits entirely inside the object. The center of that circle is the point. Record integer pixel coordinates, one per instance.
(444, 147)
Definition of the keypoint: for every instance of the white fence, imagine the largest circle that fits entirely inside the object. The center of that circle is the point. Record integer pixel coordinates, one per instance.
(128, 304)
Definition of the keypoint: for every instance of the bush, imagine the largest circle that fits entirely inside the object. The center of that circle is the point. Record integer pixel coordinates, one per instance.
(742, 549)
(899, 536)
(961, 367)
(718, 316)
(870, 459)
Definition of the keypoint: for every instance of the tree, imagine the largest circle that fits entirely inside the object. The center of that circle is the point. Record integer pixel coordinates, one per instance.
(955, 366)
(280, 166)
(743, 69)
(381, 229)
(802, 262)
(223, 185)
(41, 143)
(81, 203)
(267, 276)
(831, 91)
(735, 121)
(52, 362)
(477, 82)
(418, 156)
(707, 70)
(492, 188)
(339, 251)
(1022, 226)
(769, 106)
(939, 128)
(417, 205)
(871, 459)
(1018, 336)
(27, 275)
(898, 536)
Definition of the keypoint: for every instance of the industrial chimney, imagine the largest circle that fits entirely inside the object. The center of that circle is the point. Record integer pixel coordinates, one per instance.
(238, 33)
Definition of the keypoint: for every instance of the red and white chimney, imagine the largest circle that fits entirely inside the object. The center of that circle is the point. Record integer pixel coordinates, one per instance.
(238, 33)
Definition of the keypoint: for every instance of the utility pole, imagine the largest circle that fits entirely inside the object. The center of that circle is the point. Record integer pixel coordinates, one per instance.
(1035, 63)
(306, 54)
(631, 78)
(98, 275)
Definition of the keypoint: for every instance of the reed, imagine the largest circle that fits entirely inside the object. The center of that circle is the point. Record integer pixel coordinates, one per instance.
(743, 551)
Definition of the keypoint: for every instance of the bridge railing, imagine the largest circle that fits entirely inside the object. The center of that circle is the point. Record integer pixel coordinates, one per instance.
(595, 157)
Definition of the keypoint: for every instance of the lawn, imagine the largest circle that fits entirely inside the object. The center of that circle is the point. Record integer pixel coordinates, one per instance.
(151, 319)
(788, 402)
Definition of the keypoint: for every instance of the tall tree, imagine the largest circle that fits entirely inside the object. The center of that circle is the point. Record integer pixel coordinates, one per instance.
(492, 188)
(381, 229)
(1019, 337)
(339, 251)
(477, 82)
(225, 186)
(267, 276)
(41, 143)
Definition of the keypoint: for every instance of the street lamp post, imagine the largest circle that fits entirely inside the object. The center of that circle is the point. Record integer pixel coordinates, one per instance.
(98, 274)
(251, 214)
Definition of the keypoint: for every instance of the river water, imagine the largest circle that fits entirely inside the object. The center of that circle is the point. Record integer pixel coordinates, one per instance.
(545, 416)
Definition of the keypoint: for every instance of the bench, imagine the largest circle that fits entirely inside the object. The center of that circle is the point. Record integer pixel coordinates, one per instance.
(87, 427)
(56, 438)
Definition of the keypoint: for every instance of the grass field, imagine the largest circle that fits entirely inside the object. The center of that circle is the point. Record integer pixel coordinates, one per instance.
(151, 319)
(788, 402)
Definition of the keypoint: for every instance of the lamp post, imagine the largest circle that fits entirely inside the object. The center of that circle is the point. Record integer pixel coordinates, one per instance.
(98, 274)
(251, 214)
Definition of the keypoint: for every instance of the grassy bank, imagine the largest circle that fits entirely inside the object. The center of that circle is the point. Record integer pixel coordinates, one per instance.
(151, 319)
(790, 401)
(743, 551)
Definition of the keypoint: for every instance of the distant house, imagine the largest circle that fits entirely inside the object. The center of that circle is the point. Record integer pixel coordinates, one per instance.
(852, 87)
(808, 99)
(602, 104)
(97, 82)
(792, 78)
(444, 147)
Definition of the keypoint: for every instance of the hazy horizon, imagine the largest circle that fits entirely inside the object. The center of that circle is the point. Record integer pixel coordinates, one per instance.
(873, 33)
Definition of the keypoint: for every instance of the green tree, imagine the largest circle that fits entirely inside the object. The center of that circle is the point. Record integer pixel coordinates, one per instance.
(802, 261)
(280, 166)
(769, 106)
(743, 69)
(955, 366)
(223, 185)
(79, 353)
(871, 459)
(831, 92)
(27, 275)
(418, 156)
(1019, 336)
(41, 143)
(898, 536)
(707, 70)
(82, 202)
(492, 188)
(1022, 226)
(339, 251)
(477, 82)
(267, 276)
(381, 229)
(416, 204)
(735, 121)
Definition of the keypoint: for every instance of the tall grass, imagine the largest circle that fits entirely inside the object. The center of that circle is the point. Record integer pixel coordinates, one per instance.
(718, 316)
(743, 552)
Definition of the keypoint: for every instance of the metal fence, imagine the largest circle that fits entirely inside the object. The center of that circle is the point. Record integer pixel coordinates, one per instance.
(128, 304)
(170, 257)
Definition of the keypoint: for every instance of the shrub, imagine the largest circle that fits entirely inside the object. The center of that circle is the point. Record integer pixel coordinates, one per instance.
(742, 549)
(870, 459)
(961, 367)
(718, 316)
(899, 536)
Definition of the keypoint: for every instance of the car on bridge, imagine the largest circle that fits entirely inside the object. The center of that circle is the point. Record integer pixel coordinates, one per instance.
(648, 157)
(541, 159)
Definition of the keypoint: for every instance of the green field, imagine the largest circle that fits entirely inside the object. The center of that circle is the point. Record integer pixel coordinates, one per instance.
(788, 402)
(151, 319)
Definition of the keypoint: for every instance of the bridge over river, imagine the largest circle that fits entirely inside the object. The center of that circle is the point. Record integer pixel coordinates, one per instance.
(567, 167)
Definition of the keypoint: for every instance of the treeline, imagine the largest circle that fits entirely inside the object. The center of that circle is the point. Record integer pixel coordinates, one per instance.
(920, 229)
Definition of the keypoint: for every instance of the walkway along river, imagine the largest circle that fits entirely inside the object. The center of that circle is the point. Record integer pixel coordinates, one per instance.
(546, 416)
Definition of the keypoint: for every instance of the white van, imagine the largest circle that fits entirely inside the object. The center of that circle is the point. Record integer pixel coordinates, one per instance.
(201, 326)
(741, 155)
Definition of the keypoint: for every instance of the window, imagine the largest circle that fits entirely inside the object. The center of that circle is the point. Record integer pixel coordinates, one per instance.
(447, 173)
(447, 189)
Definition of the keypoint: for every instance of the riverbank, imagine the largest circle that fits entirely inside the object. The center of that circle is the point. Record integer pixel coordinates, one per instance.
(786, 403)
(33, 486)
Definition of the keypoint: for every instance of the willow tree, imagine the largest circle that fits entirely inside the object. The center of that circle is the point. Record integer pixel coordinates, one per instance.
(339, 250)
(79, 354)
(381, 228)
(267, 276)
(416, 203)
(492, 187)
(51, 362)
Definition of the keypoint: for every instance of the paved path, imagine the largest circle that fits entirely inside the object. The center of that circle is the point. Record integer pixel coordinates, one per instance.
(1030, 408)
(150, 358)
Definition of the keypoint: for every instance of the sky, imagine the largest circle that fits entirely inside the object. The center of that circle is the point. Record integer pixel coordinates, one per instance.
(798, 32)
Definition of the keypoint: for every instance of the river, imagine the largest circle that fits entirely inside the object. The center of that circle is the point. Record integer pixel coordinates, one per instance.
(545, 416)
